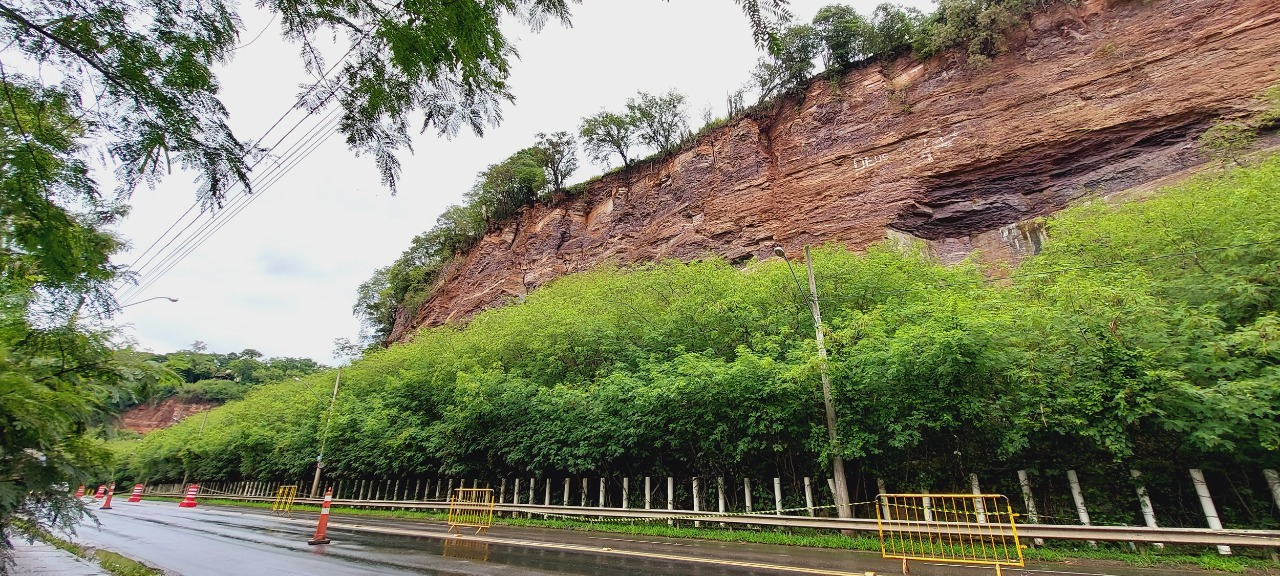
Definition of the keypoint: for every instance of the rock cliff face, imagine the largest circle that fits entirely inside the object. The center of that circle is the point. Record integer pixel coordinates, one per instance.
(144, 418)
(1093, 99)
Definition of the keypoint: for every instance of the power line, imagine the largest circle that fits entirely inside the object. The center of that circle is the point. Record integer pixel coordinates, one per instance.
(318, 135)
(298, 150)
(243, 190)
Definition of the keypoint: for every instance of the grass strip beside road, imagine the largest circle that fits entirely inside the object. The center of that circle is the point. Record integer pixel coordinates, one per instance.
(110, 561)
(1065, 552)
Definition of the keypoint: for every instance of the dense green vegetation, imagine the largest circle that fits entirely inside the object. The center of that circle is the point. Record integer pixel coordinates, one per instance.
(59, 375)
(198, 375)
(1144, 336)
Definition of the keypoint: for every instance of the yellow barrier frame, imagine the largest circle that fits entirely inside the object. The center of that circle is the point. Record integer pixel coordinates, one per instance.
(283, 502)
(471, 508)
(963, 528)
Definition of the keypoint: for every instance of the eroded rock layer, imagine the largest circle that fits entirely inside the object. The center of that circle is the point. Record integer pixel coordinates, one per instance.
(1093, 99)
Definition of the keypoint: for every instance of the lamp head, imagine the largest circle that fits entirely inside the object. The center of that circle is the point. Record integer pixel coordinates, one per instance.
(779, 251)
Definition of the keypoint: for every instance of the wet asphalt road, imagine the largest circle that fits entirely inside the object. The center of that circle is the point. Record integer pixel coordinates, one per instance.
(241, 542)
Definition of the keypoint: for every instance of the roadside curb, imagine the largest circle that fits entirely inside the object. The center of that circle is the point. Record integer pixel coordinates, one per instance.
(38, 558)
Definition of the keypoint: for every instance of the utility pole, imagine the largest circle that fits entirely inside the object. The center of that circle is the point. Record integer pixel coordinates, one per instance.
(837, 461)
(328, 418)
(203, 419)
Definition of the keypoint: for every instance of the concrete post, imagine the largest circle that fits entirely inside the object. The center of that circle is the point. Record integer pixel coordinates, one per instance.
(565, 500)
(777, 496)
(697, 504)
(884, 504)
(547, 501)
(1206, 503)
(808, 495)
(1078, 496)
(671, 497)
(1273, 482)
(746, 489)
(1032, 515)
(1144, 501)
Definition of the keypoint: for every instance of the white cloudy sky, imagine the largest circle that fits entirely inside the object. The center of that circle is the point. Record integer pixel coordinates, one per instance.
(280, 276)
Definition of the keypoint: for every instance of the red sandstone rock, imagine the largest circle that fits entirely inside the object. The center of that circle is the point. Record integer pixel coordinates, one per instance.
(145, 418)
(1096, 99)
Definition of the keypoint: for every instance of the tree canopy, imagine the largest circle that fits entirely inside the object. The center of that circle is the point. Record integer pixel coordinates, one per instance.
(1143, 335)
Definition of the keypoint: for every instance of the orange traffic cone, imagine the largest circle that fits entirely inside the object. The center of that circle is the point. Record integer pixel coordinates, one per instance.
(107, 504)
(79, 492)
(102, 489)
(190, 500)
(320, 537)
(137, 493)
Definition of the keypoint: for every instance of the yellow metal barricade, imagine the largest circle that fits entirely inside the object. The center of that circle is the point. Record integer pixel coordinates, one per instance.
(471, 508)
(283, 503)
(963, 528)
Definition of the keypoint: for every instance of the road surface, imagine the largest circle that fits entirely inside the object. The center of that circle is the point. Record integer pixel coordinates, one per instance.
(217, 541)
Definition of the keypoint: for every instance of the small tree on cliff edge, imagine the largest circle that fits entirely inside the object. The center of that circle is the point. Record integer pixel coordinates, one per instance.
(659, 120)
(605, 134)
(558, 154)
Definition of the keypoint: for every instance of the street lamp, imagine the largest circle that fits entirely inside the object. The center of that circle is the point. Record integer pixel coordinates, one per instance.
(837, 461)
(169, 298)
(328, 419)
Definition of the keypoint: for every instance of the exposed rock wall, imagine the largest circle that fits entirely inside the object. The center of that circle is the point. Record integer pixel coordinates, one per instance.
(145, 418)
(1093, 99)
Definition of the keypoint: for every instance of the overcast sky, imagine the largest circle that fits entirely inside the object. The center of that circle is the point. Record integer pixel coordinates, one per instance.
(281, 275)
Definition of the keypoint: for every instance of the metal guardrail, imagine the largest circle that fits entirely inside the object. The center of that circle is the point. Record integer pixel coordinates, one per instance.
(1199, 536)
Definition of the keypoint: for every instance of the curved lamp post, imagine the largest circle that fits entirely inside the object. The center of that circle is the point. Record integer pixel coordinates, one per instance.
(837, 461)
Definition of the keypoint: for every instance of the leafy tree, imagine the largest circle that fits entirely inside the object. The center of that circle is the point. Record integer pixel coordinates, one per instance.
(893, 29)
(659, 120)
(790, 63)
(1142, 334)
(506, 187)
(976, 26)
(147, 69)
(58, 379)
(558, 154)
(605, 134)
(46, 246)
(843, 34)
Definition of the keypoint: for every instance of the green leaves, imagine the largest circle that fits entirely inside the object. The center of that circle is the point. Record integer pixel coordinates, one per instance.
(605, 134)
(1144, 332)
(147, 67)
